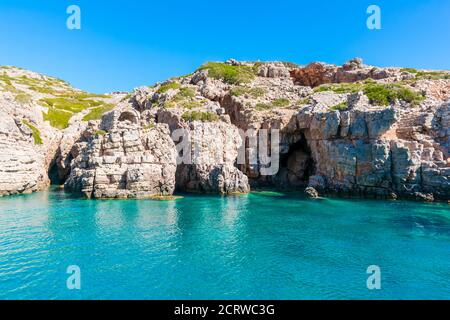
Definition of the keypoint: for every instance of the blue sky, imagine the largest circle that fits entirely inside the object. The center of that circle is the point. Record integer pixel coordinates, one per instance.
(124, 44)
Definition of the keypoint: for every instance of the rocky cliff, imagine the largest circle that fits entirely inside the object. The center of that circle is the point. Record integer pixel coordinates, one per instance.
(352, 130)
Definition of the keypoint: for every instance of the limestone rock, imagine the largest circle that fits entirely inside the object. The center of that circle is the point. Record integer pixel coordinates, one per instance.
(312, 193)
(125, 162)
(210, 167)
(22, 167)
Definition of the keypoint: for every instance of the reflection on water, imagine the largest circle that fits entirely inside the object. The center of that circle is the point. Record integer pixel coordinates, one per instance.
(264, 245)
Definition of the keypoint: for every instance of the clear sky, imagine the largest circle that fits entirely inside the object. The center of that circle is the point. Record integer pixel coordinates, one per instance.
(125, 44)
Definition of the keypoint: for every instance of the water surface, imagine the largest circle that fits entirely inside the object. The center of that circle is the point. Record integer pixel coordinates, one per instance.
(265, 245)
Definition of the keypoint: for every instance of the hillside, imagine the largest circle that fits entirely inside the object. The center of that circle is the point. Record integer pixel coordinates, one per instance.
(351, 129)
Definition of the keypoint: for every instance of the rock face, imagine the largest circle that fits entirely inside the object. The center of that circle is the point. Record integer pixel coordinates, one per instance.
(213, 153)
(318, 73)
(22, 168)
(350, 130)
(126, 161)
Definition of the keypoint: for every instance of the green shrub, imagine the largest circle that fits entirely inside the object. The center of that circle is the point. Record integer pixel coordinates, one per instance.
(7, 83)
(200, 116)
(340, 87)
(280, 103)
(254, 92)
(410, 70)
(98, 112)
(277, 103)
(303, 101)
(186, 92)
(169, 104)
(23, 98)
(62, 107)
(378, 93)
(238, 91)
(71, 104)
(36, 133)
(46, 90)
(339, 107)
(6, 79)
(191, 104)
(228, 73)
(149, 126)
(257, 92)
(167, 86)
(263, 106)
(57, 118)
(432, 75)
(100, 132)
(385, 94)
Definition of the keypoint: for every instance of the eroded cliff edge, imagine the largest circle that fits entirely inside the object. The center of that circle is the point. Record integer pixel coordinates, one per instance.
(351, 130)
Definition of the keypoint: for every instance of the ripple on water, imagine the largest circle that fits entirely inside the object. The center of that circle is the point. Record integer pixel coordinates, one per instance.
(266, 245)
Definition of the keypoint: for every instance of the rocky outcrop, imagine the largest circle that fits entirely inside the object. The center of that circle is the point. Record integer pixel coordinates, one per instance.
(126, 161)
(213, 152)
(22, 168)
(318, 73)
(351, 129)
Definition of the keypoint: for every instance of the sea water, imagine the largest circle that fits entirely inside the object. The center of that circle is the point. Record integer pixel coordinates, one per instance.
(265, 245)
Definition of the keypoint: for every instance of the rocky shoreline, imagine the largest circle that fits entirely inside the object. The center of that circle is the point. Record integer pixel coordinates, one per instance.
(351, 130)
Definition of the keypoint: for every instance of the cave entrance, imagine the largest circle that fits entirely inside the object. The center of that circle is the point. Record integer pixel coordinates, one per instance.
(53, 174)
(57, 174)
(128, 116)
(296, 166)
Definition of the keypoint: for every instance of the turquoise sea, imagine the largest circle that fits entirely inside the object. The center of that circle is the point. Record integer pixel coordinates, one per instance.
(264, 245)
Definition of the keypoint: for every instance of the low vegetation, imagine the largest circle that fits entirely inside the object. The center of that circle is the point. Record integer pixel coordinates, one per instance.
(186, 92)
(36, 133)
(23, 98)
(185, 98)
(192, 104)
(277, 103)
(281, 103)
(382, 94)
(228, 73)
(200, 116)
(149, 126)
(410, 70)
(253, 92)
(98, 112)
(100, 132)
(429, 75)
(386, 94)
(432, 75)
(263, 106)
(340, 87)
(57, 118)
(340, 107)
(167, 86)
(63, 107)
(304, 101)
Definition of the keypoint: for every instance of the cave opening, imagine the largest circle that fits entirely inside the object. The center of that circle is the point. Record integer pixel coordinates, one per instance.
(53, 174)
(128, 116)
(296, 165)
(58, 175)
